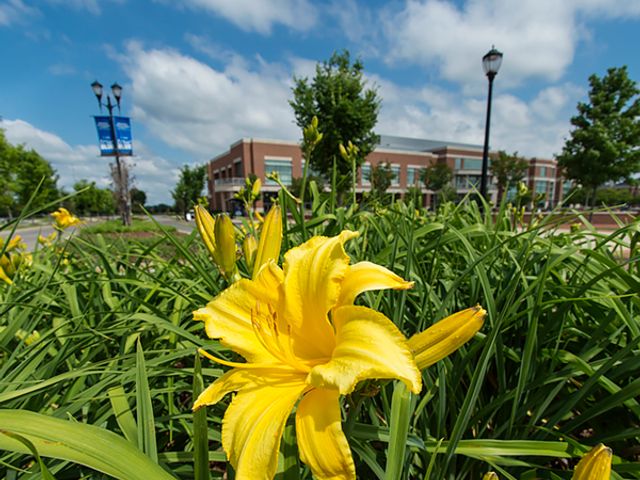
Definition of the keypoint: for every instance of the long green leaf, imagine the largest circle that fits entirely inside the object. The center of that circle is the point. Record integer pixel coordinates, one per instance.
(87, 445)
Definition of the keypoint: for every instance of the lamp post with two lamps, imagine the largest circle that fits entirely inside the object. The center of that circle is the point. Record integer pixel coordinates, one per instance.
(122, 182)
(491, 64)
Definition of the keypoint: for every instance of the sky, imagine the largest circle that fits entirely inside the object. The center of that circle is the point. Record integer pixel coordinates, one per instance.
(198, 75)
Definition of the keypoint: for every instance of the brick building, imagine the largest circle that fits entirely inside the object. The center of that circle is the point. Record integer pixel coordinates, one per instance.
(407, 156)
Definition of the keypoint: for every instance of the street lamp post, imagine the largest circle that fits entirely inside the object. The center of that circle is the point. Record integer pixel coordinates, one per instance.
(124, 201)
(491, 64)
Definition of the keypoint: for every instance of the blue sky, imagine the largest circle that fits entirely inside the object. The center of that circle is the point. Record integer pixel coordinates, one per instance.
(200, 74)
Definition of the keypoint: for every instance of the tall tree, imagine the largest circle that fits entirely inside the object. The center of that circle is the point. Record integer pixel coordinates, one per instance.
(604, 144)
(508, 170)
(24, 173)
(381, 177)
(346, 111)
(437, 177)
(92, 200)
(138, 199)
(189, 187)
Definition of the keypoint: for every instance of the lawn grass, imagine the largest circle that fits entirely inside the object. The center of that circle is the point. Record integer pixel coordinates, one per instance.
(553, 371)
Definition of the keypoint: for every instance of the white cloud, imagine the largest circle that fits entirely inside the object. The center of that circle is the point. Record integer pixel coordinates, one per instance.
(13, 11)
(92, 6)
(153, 174)
(61, 69)
(261, 15)
(196, 108)
(534, 128)
(538, 37)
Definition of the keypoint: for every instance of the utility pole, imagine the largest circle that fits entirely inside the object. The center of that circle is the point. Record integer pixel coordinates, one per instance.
(122, 180)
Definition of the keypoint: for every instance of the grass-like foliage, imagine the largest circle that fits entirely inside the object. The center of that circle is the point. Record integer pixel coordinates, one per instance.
(99, 340)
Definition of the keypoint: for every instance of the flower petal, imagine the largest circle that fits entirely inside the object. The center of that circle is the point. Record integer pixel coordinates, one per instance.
(595, 465)
(366, 276)
(313, 273)
(252, 426)
(239, 379)
(368, 345)
(228, 317)
(446, 336)
(270, 240)
(323, 446)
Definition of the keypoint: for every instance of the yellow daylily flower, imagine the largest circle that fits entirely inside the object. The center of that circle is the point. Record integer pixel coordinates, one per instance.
(4, 277)
(490, 476)
(206, 225)
(225, 250)
(255, 188)
(48, 240)
(64, 219)
(249, 248)
(595, 465)
(446, 336)
(220, 239)
(270, 240)
(302, 337)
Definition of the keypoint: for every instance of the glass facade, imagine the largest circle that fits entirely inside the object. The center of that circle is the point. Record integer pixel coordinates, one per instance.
(473, 164)
(543, 171)
(458, 164)
(467, 181)
(395, 169)
(282, 167)
(365, 171)
(237, 169)
(413, 176)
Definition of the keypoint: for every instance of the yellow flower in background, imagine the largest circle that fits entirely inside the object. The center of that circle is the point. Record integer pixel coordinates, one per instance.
(595, 465)
(249, 248)
(302, 337)
(490, 476)
(48, 240)
(13, 258)
(446, 336)
(225, 240)
(64, 219)
(270, 240)
(206, 225)
(4, 277)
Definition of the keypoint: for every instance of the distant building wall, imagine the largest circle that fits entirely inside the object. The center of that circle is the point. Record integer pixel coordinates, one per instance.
(407, 157)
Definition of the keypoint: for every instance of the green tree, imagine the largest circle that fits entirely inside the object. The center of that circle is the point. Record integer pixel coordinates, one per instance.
(92, 200)
(437, 177)
(7, 177)
(508, 170)
(381, 177)
(138, 199)
(346, 111)
(189, 187)
(24, 172)
(604, 145)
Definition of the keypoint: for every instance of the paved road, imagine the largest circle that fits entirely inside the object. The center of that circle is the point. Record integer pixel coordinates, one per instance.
(30, 233)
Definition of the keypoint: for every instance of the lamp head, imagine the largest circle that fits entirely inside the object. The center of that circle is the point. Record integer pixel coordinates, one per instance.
(491, 62)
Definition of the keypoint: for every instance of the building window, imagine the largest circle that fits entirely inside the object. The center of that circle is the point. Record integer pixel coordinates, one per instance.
(413, 176)
(543, 171)
(365, 174)
(473, 164)
(458, 164)
(541, 186)
(282, 167)
(395, 169)
(237, 170)
(467, 181)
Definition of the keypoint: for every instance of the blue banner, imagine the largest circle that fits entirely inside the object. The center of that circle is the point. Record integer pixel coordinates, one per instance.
(123, 134)
(122, 126)
(104, 136)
